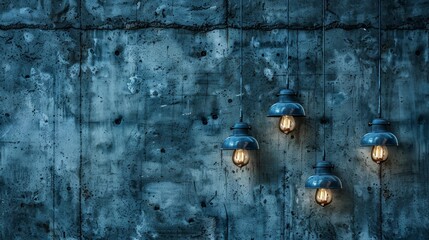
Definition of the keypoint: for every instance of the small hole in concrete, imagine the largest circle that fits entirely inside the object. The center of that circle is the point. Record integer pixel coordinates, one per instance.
(156, 207)
(421, 119)
(230, 100)
(214, 116)
(204, 120)
(203, 204)
(7, 114)
(117, 52)
(162, 150)
(417, 52)
(203, 53)
(118, 120)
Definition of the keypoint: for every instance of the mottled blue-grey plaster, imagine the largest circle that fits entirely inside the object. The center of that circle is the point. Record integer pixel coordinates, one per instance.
(112, 115)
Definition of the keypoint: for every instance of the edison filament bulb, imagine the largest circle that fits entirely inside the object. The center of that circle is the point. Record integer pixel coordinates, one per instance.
(379, 153)
(323, 196)
(240, 157)
(287, 124)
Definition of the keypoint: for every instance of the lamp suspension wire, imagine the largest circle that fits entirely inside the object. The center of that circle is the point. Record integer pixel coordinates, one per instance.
(287, 46)
(297, 57)
(379, 58)
(324, 79)
(241, 60)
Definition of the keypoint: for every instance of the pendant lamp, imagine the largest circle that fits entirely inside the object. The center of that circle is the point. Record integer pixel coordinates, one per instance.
(288, 107)
(241, 142)
(379, 138)
(324, 181)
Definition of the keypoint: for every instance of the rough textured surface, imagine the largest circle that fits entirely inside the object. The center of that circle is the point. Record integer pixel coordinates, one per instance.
(112, 114)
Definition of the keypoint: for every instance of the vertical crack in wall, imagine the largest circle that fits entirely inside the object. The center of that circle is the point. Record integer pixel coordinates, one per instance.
(227, 222)
(141, 126)
(80, 122)
(55, 93)
(380, 209)
(145, 152)
(283, 219)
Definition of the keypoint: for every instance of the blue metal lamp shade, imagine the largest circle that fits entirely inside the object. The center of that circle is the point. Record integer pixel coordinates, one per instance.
(323, 181)
(379, 134)
(240, 138)
(286, 108)
(287, 105)
(379, 138)
(240, 141)
(323, 177)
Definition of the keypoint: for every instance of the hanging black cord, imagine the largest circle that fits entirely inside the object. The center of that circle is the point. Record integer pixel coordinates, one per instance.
(324, 77)
(297, 58)
(287, 47)
(241, 60)
(379, 59)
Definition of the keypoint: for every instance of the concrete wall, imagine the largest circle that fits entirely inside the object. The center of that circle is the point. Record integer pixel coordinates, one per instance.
(112, 114)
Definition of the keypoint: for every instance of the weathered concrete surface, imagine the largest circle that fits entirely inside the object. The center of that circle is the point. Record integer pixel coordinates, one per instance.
(112, 115)
(40, 14)
(39, 133)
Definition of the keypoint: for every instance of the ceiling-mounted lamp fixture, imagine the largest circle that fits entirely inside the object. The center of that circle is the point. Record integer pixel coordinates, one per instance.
(241, 141)
(287, 108)
(323, 181)
(379, 138)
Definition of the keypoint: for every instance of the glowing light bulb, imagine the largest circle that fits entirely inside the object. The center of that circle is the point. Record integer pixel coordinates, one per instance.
(323, 196)
(379, 153)
(240, 157)
(287, 124)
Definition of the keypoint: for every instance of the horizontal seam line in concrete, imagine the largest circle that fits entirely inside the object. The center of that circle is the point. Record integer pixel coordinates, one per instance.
(207, 28)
